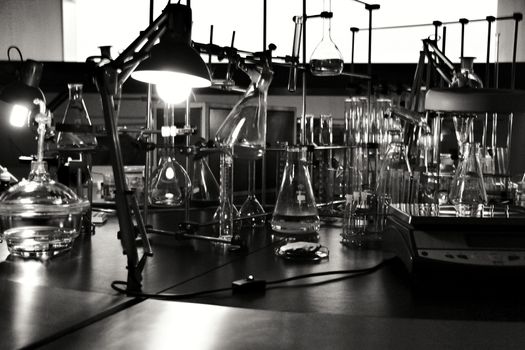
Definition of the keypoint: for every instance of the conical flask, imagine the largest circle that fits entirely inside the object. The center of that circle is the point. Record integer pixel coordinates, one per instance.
(205, 190)
(243, 132)
(394, 179)
(326, 59)
(76, 115)
(466, 76)
(295, 210)
(170, 184)
(467, 191)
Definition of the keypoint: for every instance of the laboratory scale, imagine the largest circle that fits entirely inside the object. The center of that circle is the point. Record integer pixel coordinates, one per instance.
(432, 241)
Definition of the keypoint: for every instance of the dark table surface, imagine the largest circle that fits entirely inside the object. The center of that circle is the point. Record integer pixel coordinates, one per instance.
(67, 301)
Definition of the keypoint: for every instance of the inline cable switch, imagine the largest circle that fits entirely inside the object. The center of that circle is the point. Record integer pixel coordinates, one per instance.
(248, 285)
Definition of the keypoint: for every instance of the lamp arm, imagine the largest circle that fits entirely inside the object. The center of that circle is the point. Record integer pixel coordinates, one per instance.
(150, 34)
(106, 78)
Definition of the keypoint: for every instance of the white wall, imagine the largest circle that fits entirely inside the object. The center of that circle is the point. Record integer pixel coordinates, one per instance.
(506, 29)
(35, 26)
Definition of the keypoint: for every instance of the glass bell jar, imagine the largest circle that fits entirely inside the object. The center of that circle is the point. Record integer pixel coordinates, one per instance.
(40, 217)
(326, 59)
(76, 115)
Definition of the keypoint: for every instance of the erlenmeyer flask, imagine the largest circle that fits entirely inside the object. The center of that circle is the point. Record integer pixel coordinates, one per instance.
(170, 183)
(394, 179)
(205, 190)
(295, 210)
(326, 59)
(76, 115)
(467, 191)
(243, 132)
(251, 209)
(466, 76)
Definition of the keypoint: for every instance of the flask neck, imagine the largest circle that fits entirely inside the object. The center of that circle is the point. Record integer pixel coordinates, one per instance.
(75, 91)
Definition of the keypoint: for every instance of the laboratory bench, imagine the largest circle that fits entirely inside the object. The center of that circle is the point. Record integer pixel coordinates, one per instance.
(67, 301)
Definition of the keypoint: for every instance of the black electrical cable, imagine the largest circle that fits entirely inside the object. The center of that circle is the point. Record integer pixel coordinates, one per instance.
(17, 50)
(353, 273)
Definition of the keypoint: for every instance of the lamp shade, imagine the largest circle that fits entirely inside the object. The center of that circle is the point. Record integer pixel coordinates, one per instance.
(173, 60)
(19, 95)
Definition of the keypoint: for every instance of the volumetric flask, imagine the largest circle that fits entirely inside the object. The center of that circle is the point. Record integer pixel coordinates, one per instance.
(326, 59)
(295, 211)
(76, 115)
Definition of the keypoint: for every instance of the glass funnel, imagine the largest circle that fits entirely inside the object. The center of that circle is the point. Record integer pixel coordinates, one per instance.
(251, 210)
(295, 210)
(467, 191)
(326, 59)
(40, 217)
(466, 76)
(76, 115)
(243, 132)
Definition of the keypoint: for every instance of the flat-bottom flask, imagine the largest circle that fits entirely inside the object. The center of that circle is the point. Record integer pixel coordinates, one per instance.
(295, 211)
(170, 183)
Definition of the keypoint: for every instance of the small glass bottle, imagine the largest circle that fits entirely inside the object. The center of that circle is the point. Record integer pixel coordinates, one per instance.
(76, 115)
(467, 191)
(326, 59)
(295, 211)
(466, 76)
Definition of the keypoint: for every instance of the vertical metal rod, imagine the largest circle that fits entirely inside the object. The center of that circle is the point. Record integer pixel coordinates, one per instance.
(302, 140)
(443, 48)
(353, 30)
(211, 42)
(149, 163)
(517, 17)
(496, 71)
(463, 21)
(437, 24)
(489, 19)
(151, 6)
(265, 6)
(187, 144)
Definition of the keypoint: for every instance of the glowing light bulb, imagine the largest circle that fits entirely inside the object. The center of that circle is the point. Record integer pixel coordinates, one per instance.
(19, 116)
(170, 173)
(173, 93)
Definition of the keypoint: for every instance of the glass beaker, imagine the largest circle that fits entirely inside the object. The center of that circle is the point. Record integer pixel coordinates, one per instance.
(467, 191)
(243, 132)
(466, 76)
(295, 211)
(205, 190)
(76, 115)
(326, 59)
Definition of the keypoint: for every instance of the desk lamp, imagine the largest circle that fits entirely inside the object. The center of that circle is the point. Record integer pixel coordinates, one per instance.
(20, 95)
(172, 64)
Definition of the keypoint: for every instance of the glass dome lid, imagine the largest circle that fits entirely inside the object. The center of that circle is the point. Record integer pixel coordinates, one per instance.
(40, 196)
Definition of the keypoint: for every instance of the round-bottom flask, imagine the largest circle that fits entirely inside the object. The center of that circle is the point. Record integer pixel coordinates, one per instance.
(295, 211)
